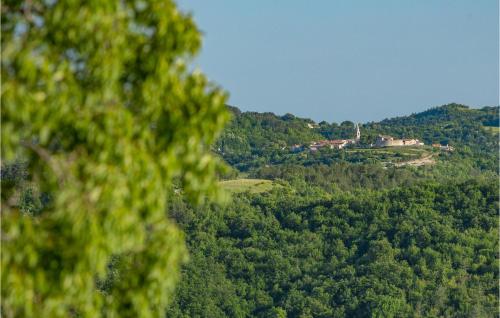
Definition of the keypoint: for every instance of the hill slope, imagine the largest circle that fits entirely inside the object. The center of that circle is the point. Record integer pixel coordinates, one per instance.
(253, 140)
(345, 233)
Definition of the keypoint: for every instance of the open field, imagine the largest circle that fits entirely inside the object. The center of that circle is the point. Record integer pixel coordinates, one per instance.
(391, 154)
(492, 129)
(390, 149)
(243, 185)
(417, 162)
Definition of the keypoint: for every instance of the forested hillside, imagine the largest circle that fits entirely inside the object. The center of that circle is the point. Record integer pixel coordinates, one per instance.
(429, 250)
(450, 124)
(253, 137)
(342, 233)
(253, 140)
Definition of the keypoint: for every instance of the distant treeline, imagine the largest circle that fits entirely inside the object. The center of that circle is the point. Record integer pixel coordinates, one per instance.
(256, 139)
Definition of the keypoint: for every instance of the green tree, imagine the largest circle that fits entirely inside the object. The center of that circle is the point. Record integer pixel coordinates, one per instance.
(98, 101)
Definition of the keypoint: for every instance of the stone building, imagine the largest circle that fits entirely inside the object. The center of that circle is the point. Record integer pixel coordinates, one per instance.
(389, 141)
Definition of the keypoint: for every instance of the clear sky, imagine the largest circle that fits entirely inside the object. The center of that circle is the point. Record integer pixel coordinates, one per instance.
(359, 60)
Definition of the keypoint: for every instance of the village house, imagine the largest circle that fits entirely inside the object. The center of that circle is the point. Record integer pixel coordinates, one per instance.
(332, 144)
(443, 148)
(335, 143)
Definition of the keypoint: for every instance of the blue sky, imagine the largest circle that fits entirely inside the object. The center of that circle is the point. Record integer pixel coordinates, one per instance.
(359, 60)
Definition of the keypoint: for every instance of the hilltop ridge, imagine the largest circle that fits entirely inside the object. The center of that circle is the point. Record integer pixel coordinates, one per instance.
(254, 139)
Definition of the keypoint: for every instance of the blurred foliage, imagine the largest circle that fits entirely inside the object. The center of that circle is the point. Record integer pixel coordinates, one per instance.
(100, 107)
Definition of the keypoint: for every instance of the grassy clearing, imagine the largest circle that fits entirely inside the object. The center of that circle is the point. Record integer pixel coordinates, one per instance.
(392, 154)
(390, 150)
(250, 185)
(492, 129)
(428, 160)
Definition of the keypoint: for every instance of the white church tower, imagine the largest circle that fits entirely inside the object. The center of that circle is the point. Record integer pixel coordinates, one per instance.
(358, 133)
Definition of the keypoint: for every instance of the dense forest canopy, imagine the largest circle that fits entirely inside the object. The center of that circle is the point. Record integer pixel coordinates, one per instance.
(429, 250)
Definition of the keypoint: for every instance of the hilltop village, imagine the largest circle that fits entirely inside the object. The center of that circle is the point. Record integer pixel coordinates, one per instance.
(336, 143)
(380, 142)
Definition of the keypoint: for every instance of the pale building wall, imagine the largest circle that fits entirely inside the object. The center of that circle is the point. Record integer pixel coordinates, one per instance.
(396, 142)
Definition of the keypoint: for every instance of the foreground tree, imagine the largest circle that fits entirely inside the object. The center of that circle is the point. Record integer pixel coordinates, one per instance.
(97, 100)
